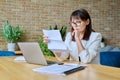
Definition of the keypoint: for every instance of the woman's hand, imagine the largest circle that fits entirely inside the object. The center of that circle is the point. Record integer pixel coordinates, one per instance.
(76, 34)
(46, 39)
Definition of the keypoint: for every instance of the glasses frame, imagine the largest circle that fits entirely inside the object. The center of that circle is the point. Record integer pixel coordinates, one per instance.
(73, 24)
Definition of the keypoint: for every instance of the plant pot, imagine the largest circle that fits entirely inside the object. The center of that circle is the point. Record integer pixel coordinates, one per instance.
(11, 46)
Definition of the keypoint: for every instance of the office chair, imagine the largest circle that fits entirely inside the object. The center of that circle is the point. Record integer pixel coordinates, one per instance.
(110, 58)
(7, 53)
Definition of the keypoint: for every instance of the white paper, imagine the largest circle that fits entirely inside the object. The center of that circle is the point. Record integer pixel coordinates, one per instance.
(20, 58)
(56, 68)
(55, 38)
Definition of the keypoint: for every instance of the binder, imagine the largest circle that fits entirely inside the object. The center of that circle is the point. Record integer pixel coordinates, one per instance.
(74, 70)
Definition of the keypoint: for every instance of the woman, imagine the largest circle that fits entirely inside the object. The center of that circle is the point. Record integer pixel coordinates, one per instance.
(83, 42)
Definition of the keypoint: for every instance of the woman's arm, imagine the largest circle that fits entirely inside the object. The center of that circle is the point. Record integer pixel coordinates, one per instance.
(60, 55)
(63, 55)
(91, 50)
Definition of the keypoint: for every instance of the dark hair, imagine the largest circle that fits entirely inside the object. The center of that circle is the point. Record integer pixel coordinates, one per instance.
(83, 15)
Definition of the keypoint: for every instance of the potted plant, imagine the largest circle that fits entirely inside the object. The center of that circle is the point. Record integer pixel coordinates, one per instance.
(12, 35)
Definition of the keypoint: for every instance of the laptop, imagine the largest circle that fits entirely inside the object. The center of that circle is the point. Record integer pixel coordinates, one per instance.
(33, 53)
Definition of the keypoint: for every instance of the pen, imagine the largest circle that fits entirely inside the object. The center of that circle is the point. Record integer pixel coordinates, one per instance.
(74, 70)
(60, 63)
(79, 59)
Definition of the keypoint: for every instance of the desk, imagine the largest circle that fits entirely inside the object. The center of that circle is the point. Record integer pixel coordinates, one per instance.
(20, 70)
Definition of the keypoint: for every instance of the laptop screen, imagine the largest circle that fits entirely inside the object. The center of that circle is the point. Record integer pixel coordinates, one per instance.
(32, 52)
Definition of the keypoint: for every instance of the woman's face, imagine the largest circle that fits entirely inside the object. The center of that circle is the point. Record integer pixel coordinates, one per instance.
(79, 25)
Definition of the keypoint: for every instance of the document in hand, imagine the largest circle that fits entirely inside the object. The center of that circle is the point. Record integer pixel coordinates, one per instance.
(56, 42)
(60, 69)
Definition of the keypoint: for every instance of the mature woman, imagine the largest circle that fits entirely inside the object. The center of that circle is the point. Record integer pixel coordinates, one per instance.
(83, 42)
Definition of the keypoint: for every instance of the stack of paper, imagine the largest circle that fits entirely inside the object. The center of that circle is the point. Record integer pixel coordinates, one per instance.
(59, 69)
(55, 38)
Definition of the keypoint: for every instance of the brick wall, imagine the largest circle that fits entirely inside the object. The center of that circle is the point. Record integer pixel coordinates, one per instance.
(35, 15)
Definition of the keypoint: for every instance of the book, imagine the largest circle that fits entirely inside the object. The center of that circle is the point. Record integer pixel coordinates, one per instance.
(56, 43)
(58, 69)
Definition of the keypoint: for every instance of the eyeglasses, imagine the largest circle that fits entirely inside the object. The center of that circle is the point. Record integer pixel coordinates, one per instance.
(77, 24)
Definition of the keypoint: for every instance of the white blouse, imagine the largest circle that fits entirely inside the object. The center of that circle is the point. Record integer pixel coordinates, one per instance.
(91, 52)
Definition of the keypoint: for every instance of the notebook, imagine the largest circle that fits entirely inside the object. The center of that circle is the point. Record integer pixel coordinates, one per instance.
(33, 53)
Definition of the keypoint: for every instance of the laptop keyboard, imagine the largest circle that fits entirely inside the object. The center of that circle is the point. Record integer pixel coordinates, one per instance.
(50, 62)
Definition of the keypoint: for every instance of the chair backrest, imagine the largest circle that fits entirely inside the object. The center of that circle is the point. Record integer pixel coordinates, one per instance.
(7, 53)
(110, 58)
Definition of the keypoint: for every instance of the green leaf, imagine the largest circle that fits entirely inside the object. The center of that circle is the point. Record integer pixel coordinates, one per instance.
(55, 28)
(12, 34)
(50, 28)
(44, 48)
